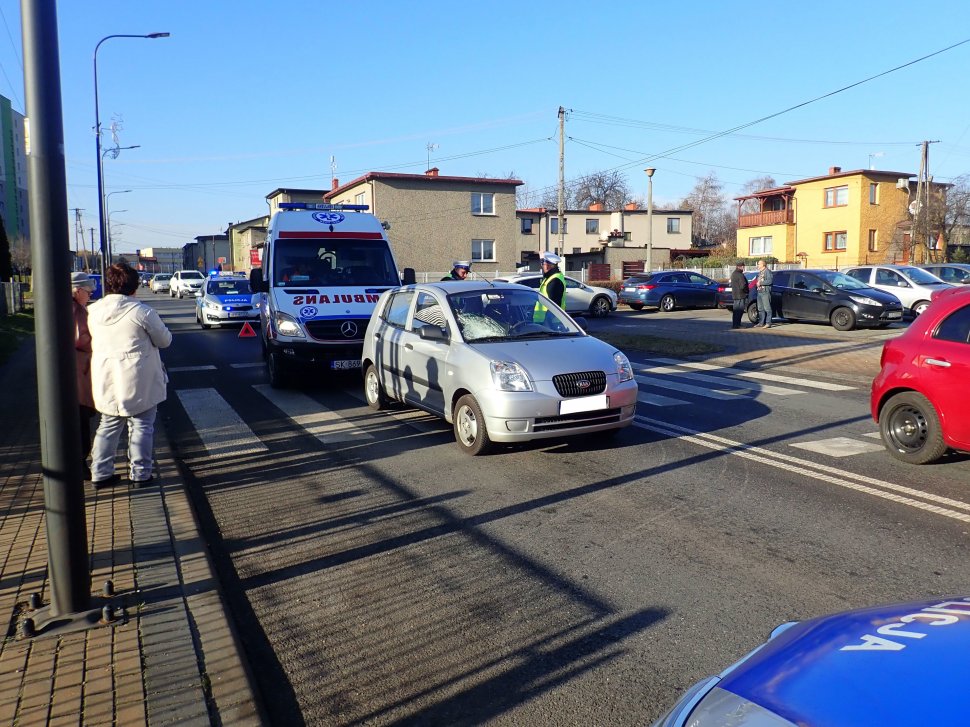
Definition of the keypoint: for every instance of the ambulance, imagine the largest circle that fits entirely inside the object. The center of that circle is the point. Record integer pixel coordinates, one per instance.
(323, 268)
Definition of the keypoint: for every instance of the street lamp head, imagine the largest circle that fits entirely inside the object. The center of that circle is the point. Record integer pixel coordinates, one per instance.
(158, 35)
(649, 171)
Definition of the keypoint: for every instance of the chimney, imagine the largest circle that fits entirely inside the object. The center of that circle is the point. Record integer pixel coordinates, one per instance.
(433, 172)
(630, 206)
(596, 207)
(334, 183)
(834, 170)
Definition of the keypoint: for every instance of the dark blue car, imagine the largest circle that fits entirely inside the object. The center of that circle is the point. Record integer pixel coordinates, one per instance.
(903, 664)
(668, 290)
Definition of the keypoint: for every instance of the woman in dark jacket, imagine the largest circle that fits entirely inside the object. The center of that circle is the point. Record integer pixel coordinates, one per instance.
(82, 286)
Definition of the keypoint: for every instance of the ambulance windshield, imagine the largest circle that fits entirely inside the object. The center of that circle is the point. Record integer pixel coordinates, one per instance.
(304, 263)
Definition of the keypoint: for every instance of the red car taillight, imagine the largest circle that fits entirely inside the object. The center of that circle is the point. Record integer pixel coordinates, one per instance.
(646, 286)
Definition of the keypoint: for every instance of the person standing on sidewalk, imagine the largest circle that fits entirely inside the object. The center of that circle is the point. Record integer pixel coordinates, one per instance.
(127, 376)
(765, 278)
(81, 288)
(739, 294)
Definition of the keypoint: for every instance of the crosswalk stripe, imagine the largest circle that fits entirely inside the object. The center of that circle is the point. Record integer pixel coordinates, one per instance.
(253, 365)
(658, 400)
(319, 421)
(666, 383)
(763, 388)
(825, 385)
(182, 369)
(218, 425)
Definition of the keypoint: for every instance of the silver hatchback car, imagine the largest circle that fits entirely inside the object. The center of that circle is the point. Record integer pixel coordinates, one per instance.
(580, 297)
(498, 361)
(913, 286)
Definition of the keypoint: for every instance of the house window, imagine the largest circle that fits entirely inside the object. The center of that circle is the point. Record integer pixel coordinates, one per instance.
(554, 225)
(673, 225)
(873, 243)
(483, 203)
(873, 193)
(835, 241)
(837, 196)
(759, 245)
(592, 227)
(359, 198)
(527, 225)
(577, 250)
(483, 251)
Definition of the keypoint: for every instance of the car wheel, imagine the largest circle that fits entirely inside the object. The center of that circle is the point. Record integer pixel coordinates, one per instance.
(275, 370)
(600, 307)
(636, 306)
(667, 303)
(843, 319)
(753, 313)
(374, 390)
(920, 307)
(910, 429)
(469, 425)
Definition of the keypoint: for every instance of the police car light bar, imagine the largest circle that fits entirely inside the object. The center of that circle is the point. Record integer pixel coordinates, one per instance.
(323, 206)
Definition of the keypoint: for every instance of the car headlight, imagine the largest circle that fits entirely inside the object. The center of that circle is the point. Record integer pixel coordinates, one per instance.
(509, 376)
(286, 325)
(210, 304)
(623, 368)
(862, 300)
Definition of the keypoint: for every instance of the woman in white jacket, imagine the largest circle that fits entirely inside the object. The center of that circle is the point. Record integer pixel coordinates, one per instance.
(127, 376)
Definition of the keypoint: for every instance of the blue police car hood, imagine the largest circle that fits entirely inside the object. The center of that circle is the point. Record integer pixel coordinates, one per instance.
(904, 664)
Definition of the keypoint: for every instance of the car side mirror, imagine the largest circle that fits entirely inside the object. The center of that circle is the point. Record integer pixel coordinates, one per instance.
(432, 333)
(902, 284)
(256, 282)
(408, 277)
(818, 289)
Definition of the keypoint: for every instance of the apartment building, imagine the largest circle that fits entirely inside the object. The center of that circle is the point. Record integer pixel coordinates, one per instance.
(13, 174)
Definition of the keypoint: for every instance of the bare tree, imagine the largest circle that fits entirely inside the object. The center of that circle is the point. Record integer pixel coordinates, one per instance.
(755, 185)
(20, 254)
(708, 203)
(610, 189)
(953, 219)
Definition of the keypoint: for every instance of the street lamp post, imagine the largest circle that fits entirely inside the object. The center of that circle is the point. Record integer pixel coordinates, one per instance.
(99, 159)
(649, 171)
(107, 214)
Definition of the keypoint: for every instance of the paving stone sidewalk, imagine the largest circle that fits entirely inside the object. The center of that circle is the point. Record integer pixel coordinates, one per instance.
(172, 657)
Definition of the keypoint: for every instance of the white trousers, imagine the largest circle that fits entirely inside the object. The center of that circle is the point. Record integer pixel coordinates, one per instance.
(141, 436)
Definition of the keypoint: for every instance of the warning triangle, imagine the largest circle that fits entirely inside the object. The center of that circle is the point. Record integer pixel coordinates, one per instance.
(247, 331)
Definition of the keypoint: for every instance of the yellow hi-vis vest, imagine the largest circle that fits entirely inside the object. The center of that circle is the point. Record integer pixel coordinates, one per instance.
(539, 314)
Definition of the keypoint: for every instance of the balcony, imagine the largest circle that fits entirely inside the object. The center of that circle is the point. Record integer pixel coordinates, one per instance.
(772, 217)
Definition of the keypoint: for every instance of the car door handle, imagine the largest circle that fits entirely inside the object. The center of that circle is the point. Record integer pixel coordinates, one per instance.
(410, 347)
(938, 362)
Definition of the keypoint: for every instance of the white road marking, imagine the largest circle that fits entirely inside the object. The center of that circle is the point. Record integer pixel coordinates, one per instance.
(796, 381)
(874, 435)
(832, 475)
(218, 425)
(316, 419)
(256, 364)
(181, 369)
(838, 446)
(665, 383)
(763, 388)
(658, 400)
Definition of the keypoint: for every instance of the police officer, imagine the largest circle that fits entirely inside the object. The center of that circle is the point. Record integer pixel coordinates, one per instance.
(553, 285)
(459, 270)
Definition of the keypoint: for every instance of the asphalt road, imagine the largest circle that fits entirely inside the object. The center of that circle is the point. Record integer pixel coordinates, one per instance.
(379, 576)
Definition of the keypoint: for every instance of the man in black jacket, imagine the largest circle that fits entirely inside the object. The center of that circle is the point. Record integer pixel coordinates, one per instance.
(739, 293)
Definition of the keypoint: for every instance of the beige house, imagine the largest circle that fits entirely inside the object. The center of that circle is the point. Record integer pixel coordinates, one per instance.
(609, 237)
(434, 220)
(245, 240)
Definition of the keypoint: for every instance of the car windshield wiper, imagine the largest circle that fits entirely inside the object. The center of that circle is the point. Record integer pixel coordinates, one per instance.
(487, 339)
(540, 334)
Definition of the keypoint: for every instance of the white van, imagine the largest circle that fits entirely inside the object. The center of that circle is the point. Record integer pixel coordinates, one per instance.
(323, 268)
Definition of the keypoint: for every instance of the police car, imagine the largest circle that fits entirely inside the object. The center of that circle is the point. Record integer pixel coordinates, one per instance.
(224, 298)
(902, 664)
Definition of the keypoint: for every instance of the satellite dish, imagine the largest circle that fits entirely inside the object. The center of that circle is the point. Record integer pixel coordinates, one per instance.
(914, 207)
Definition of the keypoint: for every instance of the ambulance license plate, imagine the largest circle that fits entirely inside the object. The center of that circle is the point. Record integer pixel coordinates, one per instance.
(353, 363)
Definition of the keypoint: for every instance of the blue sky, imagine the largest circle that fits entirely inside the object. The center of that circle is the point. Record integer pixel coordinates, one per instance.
(248, 96)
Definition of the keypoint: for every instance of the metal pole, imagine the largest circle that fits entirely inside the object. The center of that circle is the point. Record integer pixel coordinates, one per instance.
(561, 201)
(649, 172)
(60, 437)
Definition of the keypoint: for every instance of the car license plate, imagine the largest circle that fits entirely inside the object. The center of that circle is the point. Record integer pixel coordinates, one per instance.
(239, 314)
(586, 403)
(629, 290)
(353, 363)
(894, 314)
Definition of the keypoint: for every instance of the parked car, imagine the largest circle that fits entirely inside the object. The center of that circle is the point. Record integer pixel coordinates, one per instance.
(725, 299)
(827, 296)
(144, 279)
(953, 273)
(894, 665)
(580, 297)
(185, 282)
(494, 362)
(668, 290)
(920, 398)
(160, 283)
(913, 286)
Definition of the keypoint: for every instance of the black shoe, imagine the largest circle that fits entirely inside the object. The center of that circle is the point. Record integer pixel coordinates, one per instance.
(85, 473)
(113, 480)
(143, 483)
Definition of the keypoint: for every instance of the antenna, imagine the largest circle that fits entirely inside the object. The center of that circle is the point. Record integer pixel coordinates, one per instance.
(431, 148)
(333, 168)
(875, 155)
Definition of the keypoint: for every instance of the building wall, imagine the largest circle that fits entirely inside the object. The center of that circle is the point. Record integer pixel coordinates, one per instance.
(13, 195)
(782, 241)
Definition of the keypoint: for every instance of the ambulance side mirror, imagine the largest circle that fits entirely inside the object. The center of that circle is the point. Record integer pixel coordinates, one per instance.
(408, 278)
(256, 282)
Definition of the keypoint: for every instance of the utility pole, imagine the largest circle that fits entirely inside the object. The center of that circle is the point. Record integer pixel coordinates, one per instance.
(104, 265)
(921, 208)
(79, 236)
(560, 213)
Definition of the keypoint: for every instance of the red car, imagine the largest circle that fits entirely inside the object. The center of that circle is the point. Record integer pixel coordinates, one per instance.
(921, 397)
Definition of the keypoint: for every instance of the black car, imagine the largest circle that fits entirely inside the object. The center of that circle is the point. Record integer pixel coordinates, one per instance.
(824, 295)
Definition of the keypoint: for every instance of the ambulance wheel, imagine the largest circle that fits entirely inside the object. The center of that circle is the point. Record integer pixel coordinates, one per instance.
(469, 425)
(374, 390)
(276, 370)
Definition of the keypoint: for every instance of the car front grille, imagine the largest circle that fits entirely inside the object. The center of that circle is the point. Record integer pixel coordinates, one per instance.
(573, 384)
(237, 307)
(337, 329)
(575, 421)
